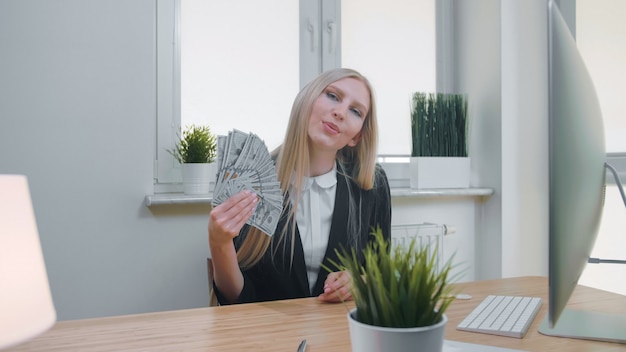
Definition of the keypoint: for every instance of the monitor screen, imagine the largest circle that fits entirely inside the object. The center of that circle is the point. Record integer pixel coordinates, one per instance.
(577, 183)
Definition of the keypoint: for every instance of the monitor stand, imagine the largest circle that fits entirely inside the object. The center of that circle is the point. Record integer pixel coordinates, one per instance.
(587, 325)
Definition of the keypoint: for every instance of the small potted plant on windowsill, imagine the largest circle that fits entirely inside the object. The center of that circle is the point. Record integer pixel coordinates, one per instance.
(196, 151)
(400, 295)
(439, 130)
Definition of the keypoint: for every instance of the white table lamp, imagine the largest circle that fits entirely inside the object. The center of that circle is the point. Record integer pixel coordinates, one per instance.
(26, 307)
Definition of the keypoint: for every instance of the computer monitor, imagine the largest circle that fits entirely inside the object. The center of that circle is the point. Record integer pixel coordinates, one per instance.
(577, 185)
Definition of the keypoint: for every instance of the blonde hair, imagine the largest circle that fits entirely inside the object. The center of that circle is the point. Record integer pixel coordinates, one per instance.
(292, 163)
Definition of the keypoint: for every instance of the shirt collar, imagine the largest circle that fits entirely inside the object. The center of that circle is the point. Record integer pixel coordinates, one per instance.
(324, 181)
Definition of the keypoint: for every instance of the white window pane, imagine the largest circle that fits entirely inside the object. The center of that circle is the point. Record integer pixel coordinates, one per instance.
(392, 43)
(239, 65)
(600, 35)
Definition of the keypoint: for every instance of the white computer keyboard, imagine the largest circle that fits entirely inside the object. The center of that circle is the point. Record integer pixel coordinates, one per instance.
(502, 315)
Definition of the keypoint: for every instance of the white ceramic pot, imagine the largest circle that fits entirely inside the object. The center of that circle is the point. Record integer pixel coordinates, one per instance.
(198, 178)
(439, 172)
(370, 338)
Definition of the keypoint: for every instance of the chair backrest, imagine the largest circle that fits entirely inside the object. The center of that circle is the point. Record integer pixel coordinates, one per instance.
(209, 269)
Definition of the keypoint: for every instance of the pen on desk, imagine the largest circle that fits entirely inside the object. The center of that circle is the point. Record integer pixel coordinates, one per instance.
(302, 346)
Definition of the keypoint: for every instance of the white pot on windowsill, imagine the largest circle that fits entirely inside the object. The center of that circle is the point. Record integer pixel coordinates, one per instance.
(194, 150)
(199, 178)
(439, 172)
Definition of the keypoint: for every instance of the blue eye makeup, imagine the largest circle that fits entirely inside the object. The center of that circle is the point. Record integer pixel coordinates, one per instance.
(332, 95)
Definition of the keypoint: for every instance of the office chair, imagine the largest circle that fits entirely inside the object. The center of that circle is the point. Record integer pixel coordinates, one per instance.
(209, 269)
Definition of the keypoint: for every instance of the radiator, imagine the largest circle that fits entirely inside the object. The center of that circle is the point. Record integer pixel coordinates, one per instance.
(425, 234)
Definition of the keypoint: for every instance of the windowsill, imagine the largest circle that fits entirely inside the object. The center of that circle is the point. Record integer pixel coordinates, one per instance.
(441, 192)
(182, 199)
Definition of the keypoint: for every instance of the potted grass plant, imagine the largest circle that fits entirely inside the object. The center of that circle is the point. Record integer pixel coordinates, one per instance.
(400, 295)
(196, 151)
(439, 130)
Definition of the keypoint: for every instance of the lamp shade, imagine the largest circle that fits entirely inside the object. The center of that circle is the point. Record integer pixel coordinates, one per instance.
(26, 307)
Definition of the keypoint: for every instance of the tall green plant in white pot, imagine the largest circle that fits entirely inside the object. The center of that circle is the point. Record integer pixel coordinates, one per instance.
(439, 131)
(196, 151)
(401, 297)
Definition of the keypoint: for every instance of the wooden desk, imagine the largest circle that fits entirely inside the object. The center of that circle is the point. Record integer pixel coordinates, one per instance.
(281, 325)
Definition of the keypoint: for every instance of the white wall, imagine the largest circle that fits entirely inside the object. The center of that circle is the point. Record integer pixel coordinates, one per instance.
(77, 116)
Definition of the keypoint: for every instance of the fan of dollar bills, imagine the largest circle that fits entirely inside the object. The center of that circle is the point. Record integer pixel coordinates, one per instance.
(244, 162)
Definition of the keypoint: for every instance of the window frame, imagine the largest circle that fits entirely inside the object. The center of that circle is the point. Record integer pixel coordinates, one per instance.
(167, 171)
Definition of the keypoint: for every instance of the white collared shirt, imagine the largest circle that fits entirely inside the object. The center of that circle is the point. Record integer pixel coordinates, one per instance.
(314, 217)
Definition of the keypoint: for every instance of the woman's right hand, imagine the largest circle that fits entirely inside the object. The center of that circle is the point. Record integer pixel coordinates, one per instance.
(227, 219)
(225, 222)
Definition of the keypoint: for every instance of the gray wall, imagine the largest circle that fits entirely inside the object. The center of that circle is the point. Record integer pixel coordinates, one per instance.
(77, 117)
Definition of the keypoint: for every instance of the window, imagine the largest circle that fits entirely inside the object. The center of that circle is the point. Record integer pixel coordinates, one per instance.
(240, 64)
(600, 35)
(395, 49)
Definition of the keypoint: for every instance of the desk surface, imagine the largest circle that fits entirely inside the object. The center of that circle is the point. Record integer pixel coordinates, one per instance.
(281, 325)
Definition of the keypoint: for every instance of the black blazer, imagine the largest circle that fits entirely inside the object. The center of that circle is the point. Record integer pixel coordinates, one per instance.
(274, 279)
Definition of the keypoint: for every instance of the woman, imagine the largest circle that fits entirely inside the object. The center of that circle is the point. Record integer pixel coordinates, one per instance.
(335, 194)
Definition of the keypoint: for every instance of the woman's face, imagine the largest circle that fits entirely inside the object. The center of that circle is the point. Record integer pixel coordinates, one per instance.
(337, 115)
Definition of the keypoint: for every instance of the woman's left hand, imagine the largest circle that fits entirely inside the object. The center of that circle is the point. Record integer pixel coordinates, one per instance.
(337, 288)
